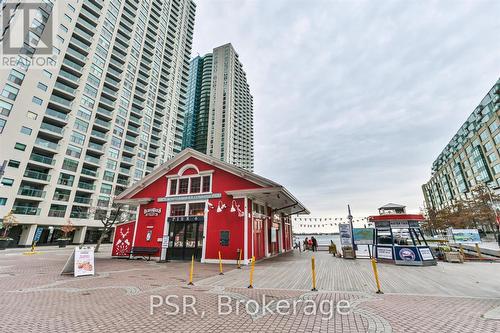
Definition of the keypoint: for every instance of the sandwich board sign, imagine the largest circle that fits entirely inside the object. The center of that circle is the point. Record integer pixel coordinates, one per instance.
(81, 262)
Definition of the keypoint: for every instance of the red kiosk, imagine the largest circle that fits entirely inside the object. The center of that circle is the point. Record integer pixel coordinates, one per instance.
(195, 204)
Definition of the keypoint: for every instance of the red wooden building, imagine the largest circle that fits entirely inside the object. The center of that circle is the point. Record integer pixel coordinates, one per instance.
(198, 205)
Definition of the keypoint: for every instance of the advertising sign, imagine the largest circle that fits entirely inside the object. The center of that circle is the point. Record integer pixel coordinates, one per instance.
(38, 234)
(426, 253)
(384, 253)
(363, 236)
(84, 261)
(466, 236)
(345, 234)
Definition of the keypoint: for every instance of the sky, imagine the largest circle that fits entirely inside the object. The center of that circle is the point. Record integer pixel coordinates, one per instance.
(354, 100)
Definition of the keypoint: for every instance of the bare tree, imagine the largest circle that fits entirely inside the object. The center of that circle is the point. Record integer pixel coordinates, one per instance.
(109, 218)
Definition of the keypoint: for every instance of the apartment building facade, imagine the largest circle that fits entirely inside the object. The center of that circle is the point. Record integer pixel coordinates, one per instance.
(221, 122)
(104, 114)
(471, 158)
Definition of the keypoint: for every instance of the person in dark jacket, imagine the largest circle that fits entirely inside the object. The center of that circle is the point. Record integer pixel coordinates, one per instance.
(314, 244)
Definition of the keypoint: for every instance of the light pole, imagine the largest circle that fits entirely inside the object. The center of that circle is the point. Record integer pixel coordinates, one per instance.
(495, 211)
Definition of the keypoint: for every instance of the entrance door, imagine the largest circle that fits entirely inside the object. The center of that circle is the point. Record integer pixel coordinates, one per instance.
(186, 239)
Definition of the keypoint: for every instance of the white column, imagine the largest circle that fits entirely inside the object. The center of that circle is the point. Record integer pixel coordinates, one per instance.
(27, 234)
(164, 249)
(281, 248)
(245, 235)
(79, 236)
(266, 237)
(205, 223)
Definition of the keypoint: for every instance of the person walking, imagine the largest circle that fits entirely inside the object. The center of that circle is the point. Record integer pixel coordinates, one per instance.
(314, 244)
(306, 243)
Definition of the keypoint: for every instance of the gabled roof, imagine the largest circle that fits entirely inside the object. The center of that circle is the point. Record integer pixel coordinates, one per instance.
(182, 157)
(392, 206)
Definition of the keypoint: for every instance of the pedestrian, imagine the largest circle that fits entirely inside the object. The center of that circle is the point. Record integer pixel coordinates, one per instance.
(314, 244)
(310, 244)
(306, 243)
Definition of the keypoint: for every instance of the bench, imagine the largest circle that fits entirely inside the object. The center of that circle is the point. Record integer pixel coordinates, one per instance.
(143, 252)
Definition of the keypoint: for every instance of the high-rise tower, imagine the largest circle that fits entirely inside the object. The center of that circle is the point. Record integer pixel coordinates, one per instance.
(106, 112)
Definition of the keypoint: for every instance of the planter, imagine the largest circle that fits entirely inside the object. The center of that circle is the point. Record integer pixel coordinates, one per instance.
(454, 257)
(4, 243)
(63, 242)
(348, 253)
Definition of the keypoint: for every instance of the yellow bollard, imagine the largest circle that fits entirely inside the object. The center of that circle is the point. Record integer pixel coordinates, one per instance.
(313, 266)
(220, 265)
(478, 250)
(252, 268)
(191, 272)
(239, 258)
(375, 272)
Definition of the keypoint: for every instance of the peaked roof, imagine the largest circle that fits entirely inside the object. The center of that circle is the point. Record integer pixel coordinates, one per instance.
(182, 157)
(392, 205)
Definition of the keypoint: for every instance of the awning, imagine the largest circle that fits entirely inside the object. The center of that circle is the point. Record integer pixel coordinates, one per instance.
(134, 202)
(278, 198)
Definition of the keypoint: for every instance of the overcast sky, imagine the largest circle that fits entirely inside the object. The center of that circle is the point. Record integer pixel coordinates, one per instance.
(353, 100)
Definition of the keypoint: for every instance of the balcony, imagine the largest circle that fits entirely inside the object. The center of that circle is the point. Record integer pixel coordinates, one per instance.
(112, 84)
(83, 35)
(25, 210)
(96, 147)
(79, 215)
(89, 172)
(107, 103)
(86, 186)
(57, 212)
(39, 142)
(79, 46)
(109, 92)
(115, 74)
(92, 17)
(101, 136)
(124, 171)
(56, 115)
(72, 67)
(124, 182)
(92, 159)
(86, 26)
(102, 123)
(127, 160)
(107, 114)
(42, 159)
(37, 175)
(130, 139)
(51, 129)
(31, 192)
(61, 103)
(83, 200)
(69, 78)
(129, 149)
(76, 56)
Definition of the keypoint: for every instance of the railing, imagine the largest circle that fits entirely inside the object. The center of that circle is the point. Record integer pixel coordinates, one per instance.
(98, 134)
(56, 114)
(60, 197)
(92, 159)
(89, 172)
(125, 171)
(81, 45)
(57, 212)
(79, 215)
(25, 210)
(122, 181)
(83, 200)
(86, 186)
(77, 54)
(37, 175)
(96, 146)
(47, 144)
(52, 128)
(105, 112)
(62, 101)
(31, 192)
(65, 181)
(42, 159)
(105, 124)
(69, 76)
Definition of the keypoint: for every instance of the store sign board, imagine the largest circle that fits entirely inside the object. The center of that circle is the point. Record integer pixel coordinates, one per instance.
(197, 197)
(426, 253)
(151, 212)
(345, 234)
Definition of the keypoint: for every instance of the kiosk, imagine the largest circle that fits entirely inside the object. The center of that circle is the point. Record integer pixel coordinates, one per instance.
(399, 239)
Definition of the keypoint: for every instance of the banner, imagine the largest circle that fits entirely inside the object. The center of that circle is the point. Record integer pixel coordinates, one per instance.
(363, 236)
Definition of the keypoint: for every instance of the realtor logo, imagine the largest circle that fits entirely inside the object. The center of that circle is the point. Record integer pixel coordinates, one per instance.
(152, 211)
(28, 28)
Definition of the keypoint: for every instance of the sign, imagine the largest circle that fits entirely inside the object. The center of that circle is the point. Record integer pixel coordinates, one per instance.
(152, 212)
(164, 242)
(363, 236)
(197, 197)
(345, 234)
(80, 262)
(38, 234)
(406, 254)
(397, 224)
(186, 219)
(384, 253)
(426, 253)
(122, 242)
(466, 236)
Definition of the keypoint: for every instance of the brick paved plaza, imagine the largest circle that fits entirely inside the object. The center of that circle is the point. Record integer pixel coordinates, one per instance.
(446, 298)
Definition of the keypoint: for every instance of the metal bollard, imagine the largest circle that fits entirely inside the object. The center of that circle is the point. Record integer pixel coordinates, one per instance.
(220, 265)
(313, 266)
(375, 272)
(252, 268)
(191, 272)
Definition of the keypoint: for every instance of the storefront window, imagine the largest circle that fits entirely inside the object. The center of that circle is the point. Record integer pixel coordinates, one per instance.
(196, 209)
(178, 210)
(195, 185)
(183, 185)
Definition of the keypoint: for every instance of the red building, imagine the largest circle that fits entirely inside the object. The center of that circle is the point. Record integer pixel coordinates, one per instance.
(198, 205)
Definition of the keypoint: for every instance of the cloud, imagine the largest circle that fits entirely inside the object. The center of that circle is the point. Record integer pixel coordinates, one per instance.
(355, 99)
